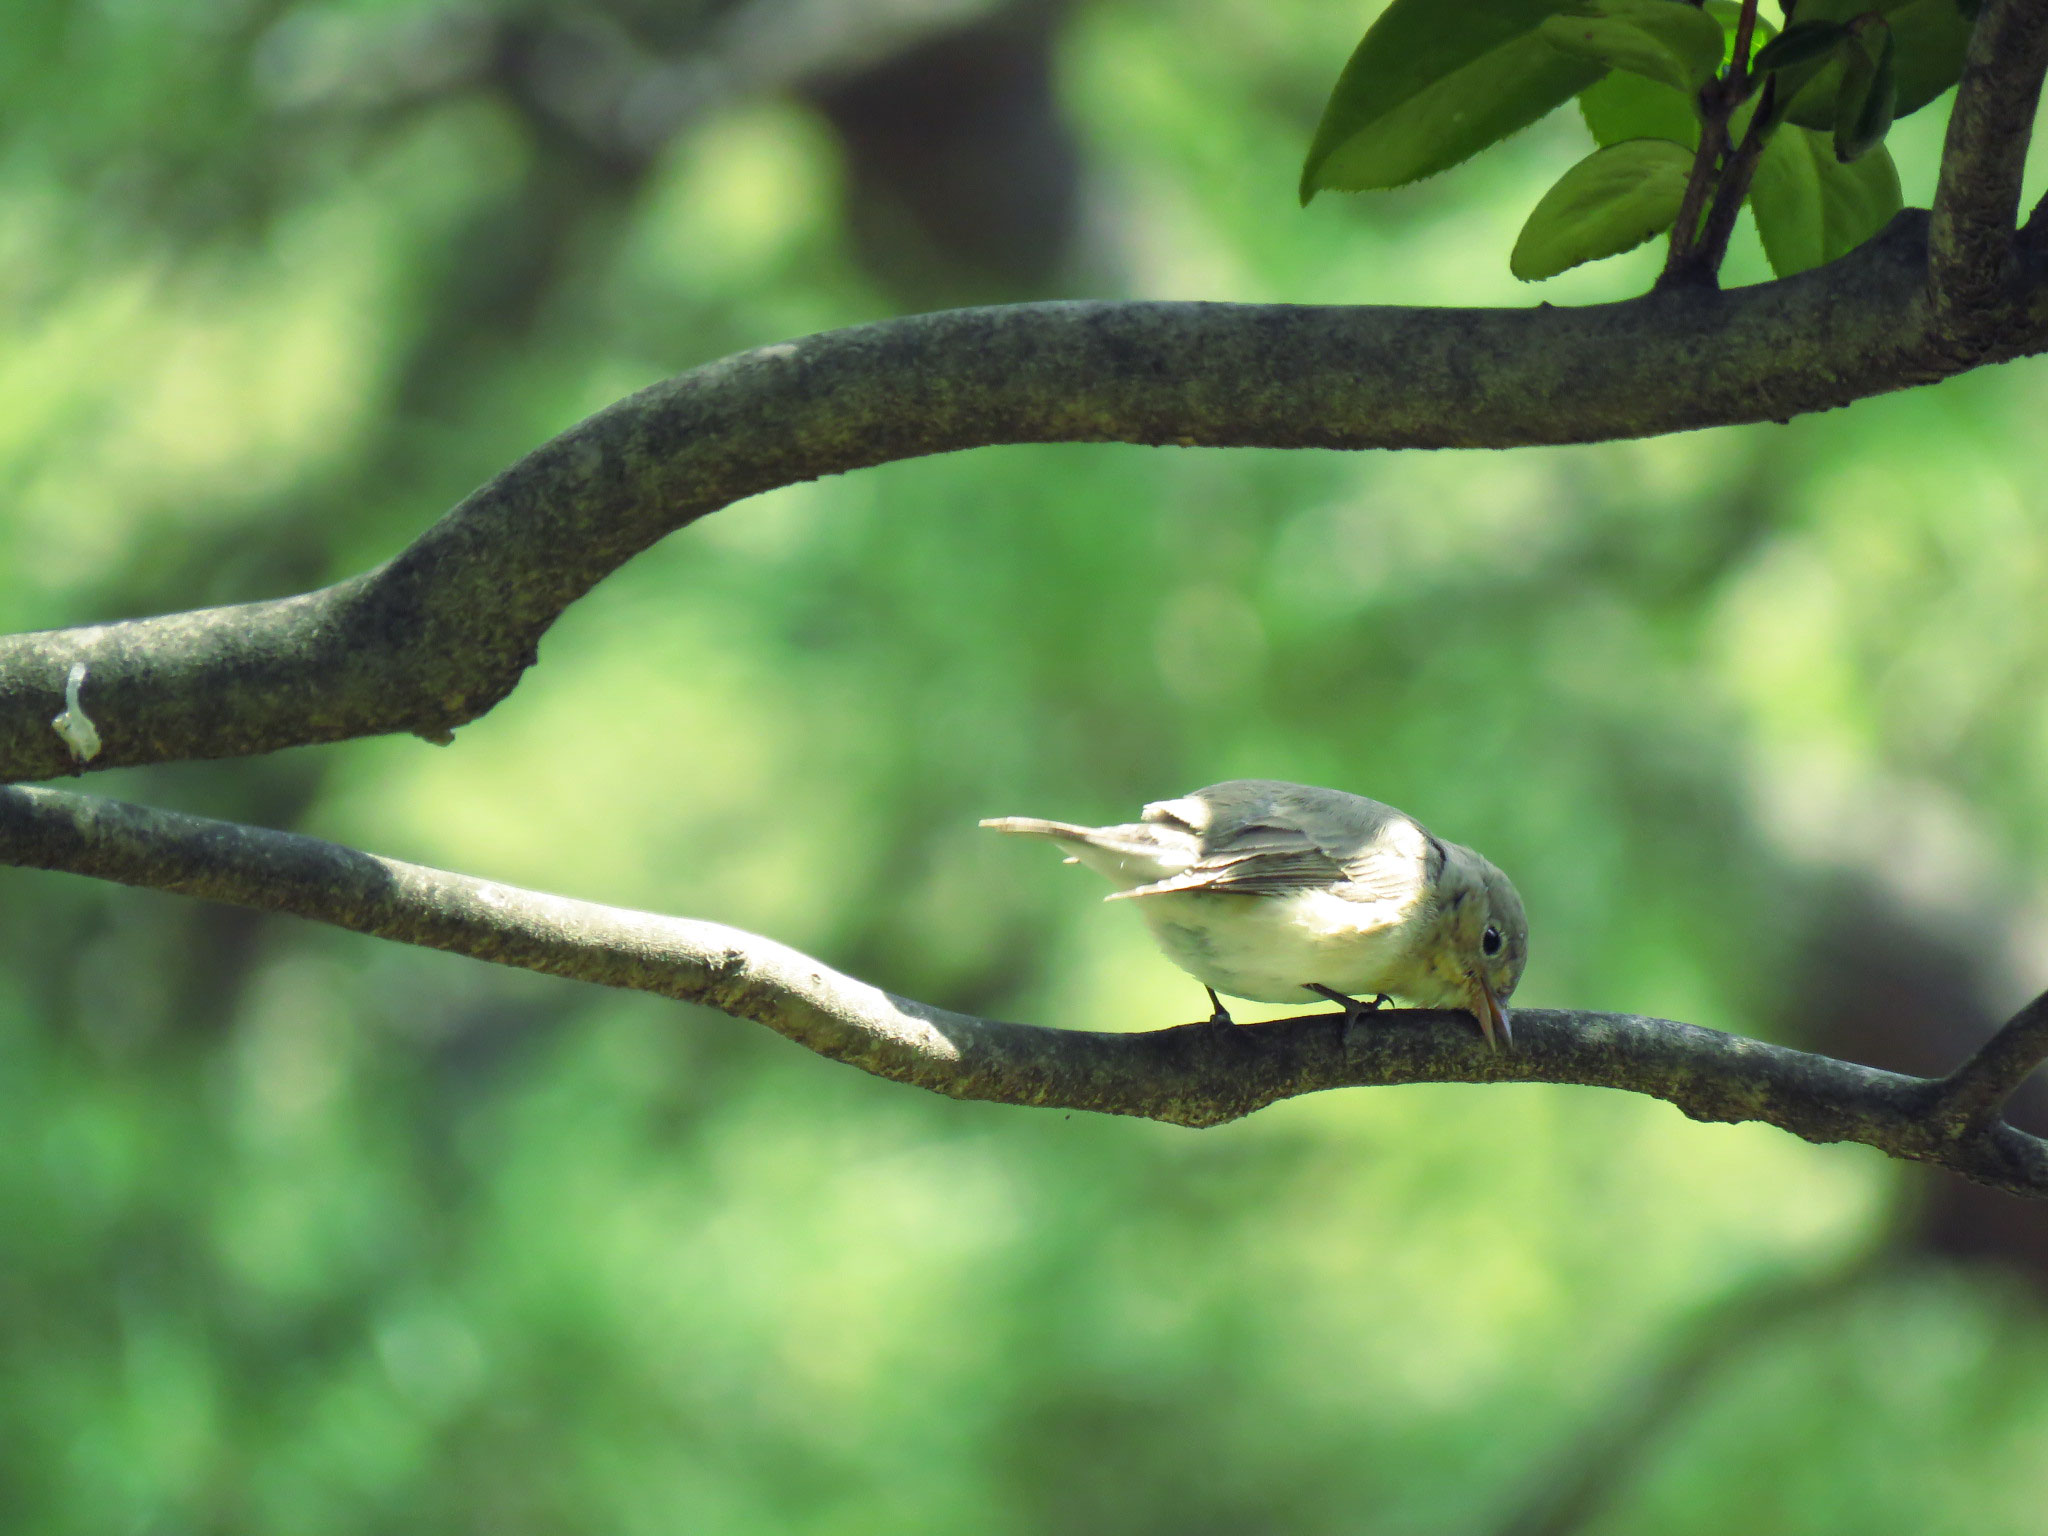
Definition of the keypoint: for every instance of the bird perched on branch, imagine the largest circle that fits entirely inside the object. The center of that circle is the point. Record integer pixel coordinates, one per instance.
(1266, 890)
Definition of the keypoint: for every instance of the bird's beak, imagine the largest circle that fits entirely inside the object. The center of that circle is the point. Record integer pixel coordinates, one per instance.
(1491, 1014)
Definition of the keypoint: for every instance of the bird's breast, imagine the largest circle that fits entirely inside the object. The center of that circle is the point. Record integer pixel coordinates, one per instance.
(1268, 948)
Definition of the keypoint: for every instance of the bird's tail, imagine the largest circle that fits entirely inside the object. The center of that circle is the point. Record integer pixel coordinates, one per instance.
(1038, 826)
(1126, 855)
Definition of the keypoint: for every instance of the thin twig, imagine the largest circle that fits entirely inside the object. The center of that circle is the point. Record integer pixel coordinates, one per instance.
(1738, 63)
(1690, 260)
(1735, 181)
(1976, 1092)
(1681, 264)
(1194, 1075)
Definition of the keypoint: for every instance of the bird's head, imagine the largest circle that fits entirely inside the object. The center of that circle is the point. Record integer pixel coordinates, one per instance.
(1481, 940)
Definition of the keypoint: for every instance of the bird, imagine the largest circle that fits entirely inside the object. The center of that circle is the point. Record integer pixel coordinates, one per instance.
(1266, 890)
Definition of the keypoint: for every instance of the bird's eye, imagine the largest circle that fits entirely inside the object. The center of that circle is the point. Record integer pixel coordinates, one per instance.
(1490, 941)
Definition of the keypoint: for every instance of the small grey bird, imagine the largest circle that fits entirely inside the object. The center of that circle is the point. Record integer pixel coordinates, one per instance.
(1266, 890)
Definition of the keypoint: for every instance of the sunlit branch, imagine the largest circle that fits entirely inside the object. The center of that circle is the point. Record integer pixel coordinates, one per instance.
(1194, 1075)
(438, 635)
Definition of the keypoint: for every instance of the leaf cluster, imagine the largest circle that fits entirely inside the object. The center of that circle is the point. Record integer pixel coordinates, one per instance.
(1698, 110)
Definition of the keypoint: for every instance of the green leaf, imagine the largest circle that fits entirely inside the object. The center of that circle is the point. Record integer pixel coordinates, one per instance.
(1931, 36)
(1810, 208)
(1729, 14)
(1800, 43)
(1610, 202)
(1421, 93)
(1622, 106)
(1856, 73)
(1869, 92)
(1667, 41)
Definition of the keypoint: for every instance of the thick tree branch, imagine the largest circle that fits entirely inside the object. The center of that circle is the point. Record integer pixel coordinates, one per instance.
(1972, 267)
(442, 632)
(1193, 1075)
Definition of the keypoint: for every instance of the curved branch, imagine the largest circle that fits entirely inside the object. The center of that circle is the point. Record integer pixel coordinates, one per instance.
(1192, 1075)
(1971, 270)
(441, 633)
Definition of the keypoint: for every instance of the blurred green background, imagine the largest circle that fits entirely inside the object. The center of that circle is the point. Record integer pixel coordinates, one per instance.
(300, 1232)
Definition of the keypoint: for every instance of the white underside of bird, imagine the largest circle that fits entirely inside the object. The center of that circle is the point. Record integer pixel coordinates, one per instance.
(1268, 948)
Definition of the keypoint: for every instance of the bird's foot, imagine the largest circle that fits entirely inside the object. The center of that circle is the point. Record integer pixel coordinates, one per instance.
(1218, 1014)
(1354, 1008)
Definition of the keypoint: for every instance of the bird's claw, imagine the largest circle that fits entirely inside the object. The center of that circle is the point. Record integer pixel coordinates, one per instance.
(1218, 1014)
(1354, 1008)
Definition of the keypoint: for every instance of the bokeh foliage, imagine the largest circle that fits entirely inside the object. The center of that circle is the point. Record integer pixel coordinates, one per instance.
(300, 1232)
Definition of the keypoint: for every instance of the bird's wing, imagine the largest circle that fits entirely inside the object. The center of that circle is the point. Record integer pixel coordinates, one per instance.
(1265, 859)
(1263, 838)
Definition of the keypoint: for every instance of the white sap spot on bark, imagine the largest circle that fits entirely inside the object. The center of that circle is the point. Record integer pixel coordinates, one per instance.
(74, 725)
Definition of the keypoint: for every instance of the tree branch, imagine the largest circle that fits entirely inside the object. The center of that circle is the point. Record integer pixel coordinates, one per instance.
(1736, 177)
(1192, 1075)
(438, 635)
(1976, 1092)
(1972, 270)
(1696, 251)
(1682, 264)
